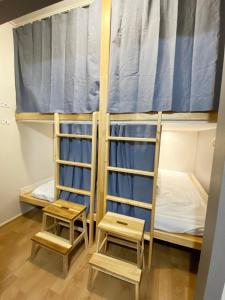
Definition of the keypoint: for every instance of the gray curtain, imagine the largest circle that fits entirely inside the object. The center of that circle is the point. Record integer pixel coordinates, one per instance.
(165, 55)
(57, 62)
(134, 155)
(78, 150)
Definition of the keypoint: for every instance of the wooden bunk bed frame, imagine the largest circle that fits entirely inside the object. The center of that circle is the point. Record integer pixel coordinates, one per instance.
(184, 240)
(28, 198)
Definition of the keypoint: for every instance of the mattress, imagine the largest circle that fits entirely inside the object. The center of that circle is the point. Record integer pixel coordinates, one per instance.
(180, 207)
(45, 191)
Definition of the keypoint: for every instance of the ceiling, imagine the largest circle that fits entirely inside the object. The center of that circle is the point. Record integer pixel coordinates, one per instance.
(11, 9)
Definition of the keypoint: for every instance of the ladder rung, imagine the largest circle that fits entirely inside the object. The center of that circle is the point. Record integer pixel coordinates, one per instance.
(73, 136)
(132, 139)
(72, 190)
(73, 163)
(131, 171)
(129, 202)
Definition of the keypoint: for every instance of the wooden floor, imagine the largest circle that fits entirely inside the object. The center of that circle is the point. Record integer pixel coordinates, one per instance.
(172, 276)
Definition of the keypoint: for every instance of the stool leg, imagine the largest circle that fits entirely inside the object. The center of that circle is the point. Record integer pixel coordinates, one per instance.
(137, 292)
(44, 222)
(84, 220)
(99, 240)
(71, 232)
(106, 244)
(65, 265)
(34, 250)
(143, 254)
(150, 255)
(139, 260)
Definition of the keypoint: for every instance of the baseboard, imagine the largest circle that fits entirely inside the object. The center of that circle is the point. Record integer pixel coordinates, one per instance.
(15, 217)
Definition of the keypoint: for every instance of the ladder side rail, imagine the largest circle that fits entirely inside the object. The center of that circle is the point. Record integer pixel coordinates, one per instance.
(106, 163)
(156, 166)
(93, 176)
(57, 154)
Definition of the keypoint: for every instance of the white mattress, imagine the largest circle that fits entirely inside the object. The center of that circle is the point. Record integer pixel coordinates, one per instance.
(45, 191)
(180, 207)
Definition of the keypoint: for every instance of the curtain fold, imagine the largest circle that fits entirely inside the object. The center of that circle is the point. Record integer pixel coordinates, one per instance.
(134, 155)
(164, 55)
(57, 62)
(78, 150)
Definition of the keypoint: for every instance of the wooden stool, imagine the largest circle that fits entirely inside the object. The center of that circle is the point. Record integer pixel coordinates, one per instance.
(122, 230)
(116, 268)
(64, 213)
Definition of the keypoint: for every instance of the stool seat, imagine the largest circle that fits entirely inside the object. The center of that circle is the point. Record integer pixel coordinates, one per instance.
(126, 227)
(64, 209)
(53, 242)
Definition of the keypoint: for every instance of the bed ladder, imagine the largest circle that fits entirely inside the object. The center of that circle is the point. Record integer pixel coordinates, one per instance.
(91, 166)
(154, 174)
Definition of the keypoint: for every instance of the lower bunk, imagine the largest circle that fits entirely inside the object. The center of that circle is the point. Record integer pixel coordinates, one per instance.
(180, 207)
(41, 195)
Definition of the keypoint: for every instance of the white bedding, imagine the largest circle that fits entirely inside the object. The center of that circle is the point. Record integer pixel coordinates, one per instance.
(45, 191)
(180, 207)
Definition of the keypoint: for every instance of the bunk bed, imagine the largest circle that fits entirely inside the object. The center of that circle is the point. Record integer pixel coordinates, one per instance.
(107, 87)
(182, 239)
(29, 197)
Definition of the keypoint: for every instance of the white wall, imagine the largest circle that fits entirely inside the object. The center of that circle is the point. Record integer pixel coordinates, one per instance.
(26, 149)
(178, 149)
(204, 157)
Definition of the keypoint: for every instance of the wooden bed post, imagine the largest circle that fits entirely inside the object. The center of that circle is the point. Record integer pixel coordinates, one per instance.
(103, 102)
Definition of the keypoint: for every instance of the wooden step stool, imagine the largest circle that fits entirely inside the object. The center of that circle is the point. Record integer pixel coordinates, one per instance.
(116, 268)
(64, 213)
(122, 230)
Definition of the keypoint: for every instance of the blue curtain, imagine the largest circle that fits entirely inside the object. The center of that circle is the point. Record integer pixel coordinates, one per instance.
(57, 62)
(165, 55)
(134, 155)
(78, 150)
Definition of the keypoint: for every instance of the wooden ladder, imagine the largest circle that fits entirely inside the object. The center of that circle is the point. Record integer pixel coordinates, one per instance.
(151, 205)
(91, 166)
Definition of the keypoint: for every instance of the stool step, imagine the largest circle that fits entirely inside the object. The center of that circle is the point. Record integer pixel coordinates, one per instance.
(116, 268)
(123, 226)
(53, 242)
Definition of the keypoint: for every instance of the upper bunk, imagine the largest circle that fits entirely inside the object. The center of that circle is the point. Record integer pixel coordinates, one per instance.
(107, 67)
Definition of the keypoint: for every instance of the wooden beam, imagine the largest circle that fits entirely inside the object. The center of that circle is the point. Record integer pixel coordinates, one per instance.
(192, 116)
(34, 116)
(182, 239)
(50, 117)
(171, 116)
(103, 102)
